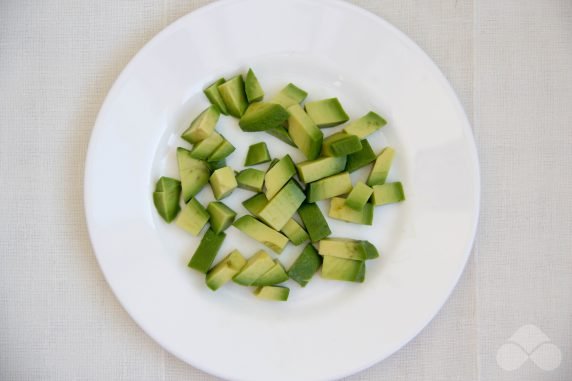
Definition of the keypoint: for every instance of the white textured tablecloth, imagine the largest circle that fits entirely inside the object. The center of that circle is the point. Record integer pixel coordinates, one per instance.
(510, 61)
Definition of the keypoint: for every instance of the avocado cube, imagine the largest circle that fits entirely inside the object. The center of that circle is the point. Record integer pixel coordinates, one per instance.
(234, 96)
(305, 266)
(223, 271)
(193, 217)
(214, 165)
(223, 182)
(340, 211)
(381, 167)
(251, 179)
(166, 198)
(312, 170)
(282, 206)
(366, 125)
(290, 95)
(261, 116)
(387, 193)
(255, 267)
(261, 232)
(304, 132)
(343, 269)
(255, 203)
(370, 250)
(203, 149)
(214, 96)
(207, 250)
(314, 221)
(194, 173)
(257, 154)
(273, 293)
(327, 112)
(360, 158)
(275, 275)
(359, 196)
(252, 88)
(295, 233)
(340, 144)
(221, 216)
(343, 248)
(202, 126)
(278, 175)
(221, 152)
(280, 132)
(329, 187)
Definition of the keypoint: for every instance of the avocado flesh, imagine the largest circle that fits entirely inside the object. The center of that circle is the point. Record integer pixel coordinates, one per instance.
(305, 266)
(262, 233)
(314, 221)
(206, 251)
(273, 293)
(221, 216)
(366, 125)
(166, 198)
(280, 132)
(340, 144)
(194, 173)
(254, 268)
(312, 170)
(343, 269)
(381, 167)
(290, 95)
(387, 193)
(327, 112)
(295, 233)
(203, 149)
(340, 211)
(359, 196)
(251, 179)
(276, 274)
(329, 187)
(202, 126)
(223, 182)
(222, 151)
(278, 175)
(261, 116)
(343, 248)
(360, 158)
(252, 88)
(214, 96)
(234, 96)
(257, 154)
(255, 203)
(193, 217)
(223, 271)
(304, 132)
(370, 250)
(282, 206)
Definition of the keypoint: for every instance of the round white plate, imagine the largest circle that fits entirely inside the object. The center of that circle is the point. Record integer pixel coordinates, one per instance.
(328, 329)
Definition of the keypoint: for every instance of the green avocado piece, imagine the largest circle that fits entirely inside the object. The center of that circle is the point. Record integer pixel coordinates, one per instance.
(381, 167)
(343, 248)
(193, 218)
(261, 232)
(194, 173)
(359, 196)
(206, 251)
(257, 154)
(225, 270)
(370, 250)
(340, 144)
(282, 206)
(202, 126)
(222, 151)
(214, 96)
(261, 116)
(329, 187)
(252, 88)
(312, 170)
(255, 203)
(273, 293)
(255, 267)
(223, 182)
(304, 133)
(280, 132)
(327, 112)
(234, 96)
(221, 216)
(214, 165)
(295, 233)
(360, 158)
(251, 179)
(366, 125)
(314, 221)
(290, 95)
(340, 211)
(166, 198)
(275, 275)
(305, 266)
(343, 269)
(278, 175)
(205, 148)
(387, 193)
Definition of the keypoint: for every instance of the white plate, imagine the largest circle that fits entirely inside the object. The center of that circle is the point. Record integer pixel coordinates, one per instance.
(328, 329)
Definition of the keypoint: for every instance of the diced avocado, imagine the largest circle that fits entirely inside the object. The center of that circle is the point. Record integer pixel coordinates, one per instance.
(340, 144)
(252, 88)
(290, 95)
(366, 125)
(295, 233)
(214, 96)
(194, 173)
(206, 251)
(370, 250)
(221, 216)
(202, 126)
(340, 211)
(214, 165)
(304, 133)
(381, 167)
(262, 233)
(233, 95)
(360, 158)
(359, 196)
(275, 275)
(314, 221)
(251, 179)
(225, 270)
(166, 198)
(312, 170)
(205, 148)
(193, 217)
(327, 112)
(343, 269)
(280, 132)
(256, 203)
(274, 293)
(223, 182)
(278, 175)
(305, 266)
(329, 187)
(343, 248)
(261, 116)
(282, 206)
(222, 151)
(387, 193)
(254, 268)
(257, 154)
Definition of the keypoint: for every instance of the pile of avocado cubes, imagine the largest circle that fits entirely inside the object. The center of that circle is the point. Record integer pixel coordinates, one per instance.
(279, 196)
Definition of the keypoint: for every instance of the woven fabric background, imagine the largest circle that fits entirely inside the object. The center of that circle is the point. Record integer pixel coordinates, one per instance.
(510, 62)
